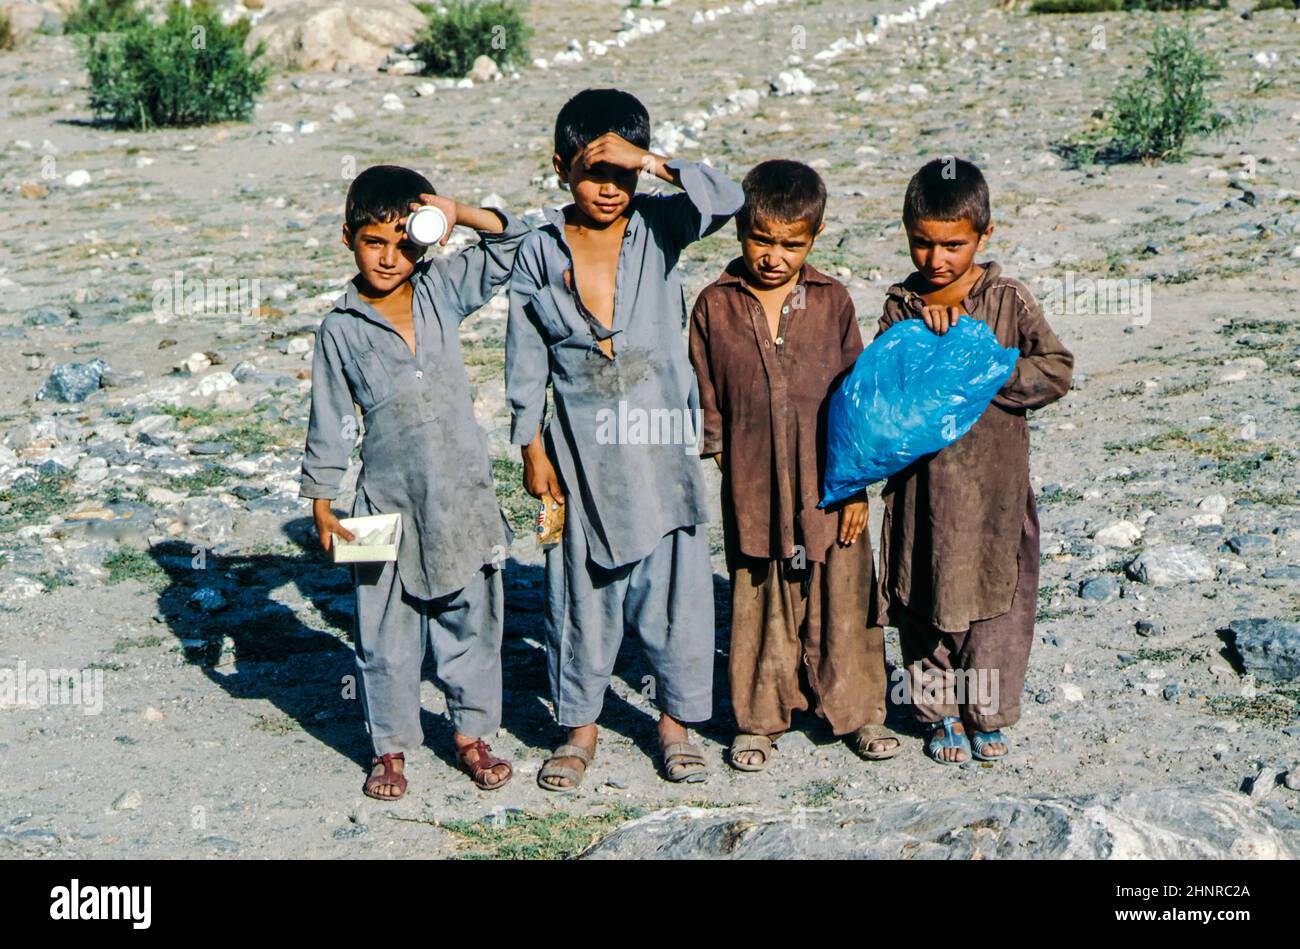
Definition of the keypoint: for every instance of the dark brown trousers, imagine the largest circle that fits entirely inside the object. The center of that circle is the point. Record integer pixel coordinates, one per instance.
(817, 617)
(977, 675)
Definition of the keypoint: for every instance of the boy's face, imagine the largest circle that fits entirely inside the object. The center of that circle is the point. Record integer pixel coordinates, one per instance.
(384, 256)
(600, 193)
(943, 251)
(774, 251)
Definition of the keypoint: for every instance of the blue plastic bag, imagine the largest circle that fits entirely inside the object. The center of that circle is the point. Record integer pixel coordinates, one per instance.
(911, 392)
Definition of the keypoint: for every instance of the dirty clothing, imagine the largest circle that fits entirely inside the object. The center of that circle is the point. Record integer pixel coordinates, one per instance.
(624, 432)
(817, 618)
(391, 632)
(977, 675)
(764, 404)
(954, 520)
(423, 454)
(665, 598)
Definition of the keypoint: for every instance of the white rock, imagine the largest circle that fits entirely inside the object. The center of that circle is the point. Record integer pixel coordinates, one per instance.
(1168, 565)
(216, 382)
(1212, 504)
(129, 801)
(195, 363)
(392, 103)
(77, 179)
(1120, 534)
(152, 714)
(342, 113)
(1071, 692)
(297, 345)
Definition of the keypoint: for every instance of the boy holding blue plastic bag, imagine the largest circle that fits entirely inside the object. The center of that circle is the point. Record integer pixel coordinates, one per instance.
(959, 546)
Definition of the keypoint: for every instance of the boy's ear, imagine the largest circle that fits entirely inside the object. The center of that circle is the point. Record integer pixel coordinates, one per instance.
(984, 238)
(561, 169)
(820, 227)
(347, 237)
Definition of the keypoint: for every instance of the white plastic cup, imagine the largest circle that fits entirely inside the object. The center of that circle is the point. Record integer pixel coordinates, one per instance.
(426, 225)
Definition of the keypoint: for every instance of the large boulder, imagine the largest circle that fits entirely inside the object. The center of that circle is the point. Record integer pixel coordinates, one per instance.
(1177, 823)
(1269, 648)
(335, 34)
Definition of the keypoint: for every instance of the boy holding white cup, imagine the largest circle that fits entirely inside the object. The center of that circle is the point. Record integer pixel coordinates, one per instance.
(392, 347)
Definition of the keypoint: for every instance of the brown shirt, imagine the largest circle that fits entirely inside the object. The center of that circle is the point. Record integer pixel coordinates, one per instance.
(953, 519)
(764, 405)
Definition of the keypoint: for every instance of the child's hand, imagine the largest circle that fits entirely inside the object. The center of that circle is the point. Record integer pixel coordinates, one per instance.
(853, 521)
(327, 524)
(446, 205)
(940, 319)
(612, 149)
(540, 477)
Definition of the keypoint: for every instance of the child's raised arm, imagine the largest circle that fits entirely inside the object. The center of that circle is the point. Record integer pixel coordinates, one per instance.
(472, 275)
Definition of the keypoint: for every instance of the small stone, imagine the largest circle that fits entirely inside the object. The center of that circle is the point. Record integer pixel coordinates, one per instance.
(210, 385)
(33, 190)
(207, 599)
(392, 103)
(1071, 692)
(1292, 779)
(1122, 534)
(1248, 543)
(1099, 589)
(194, 363)
(484, 69)
(1261, 785)
(1212, 504)
(1149, 628)
(1165, 566)
(1170, 691)
(77, 179)
(1285, 571)
(129, 801)
(297, 346)
(152, 714)
(1043, 698)
(72, 381)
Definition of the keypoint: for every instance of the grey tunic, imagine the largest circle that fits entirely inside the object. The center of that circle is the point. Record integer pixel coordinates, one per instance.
(423, 454)
(624, 435)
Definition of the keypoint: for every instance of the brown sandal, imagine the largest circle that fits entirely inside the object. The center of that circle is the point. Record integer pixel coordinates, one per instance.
(390, 775)
(484, 762)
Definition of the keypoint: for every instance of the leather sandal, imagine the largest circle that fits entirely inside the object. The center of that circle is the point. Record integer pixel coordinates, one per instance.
(574, 776)
(482, 765)
(389, 775)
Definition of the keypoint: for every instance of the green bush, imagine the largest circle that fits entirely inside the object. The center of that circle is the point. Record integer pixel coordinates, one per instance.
(1153, 116)
(189, 70)
(6, 32)
(463, 30)
(104, 16)
(1276, 5)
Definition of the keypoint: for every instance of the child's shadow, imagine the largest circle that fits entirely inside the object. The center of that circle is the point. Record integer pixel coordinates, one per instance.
(239, 618)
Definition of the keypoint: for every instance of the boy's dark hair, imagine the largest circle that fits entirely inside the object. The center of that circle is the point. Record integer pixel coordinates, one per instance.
(383, 193)
(948, 189)
(592, 113)
(782, 190)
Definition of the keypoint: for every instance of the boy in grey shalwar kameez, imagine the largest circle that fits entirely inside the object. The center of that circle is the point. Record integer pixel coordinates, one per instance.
(621, 451)
(391, 346)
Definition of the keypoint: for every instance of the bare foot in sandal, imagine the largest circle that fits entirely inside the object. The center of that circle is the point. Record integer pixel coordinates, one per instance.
(490, 778)
(391, 767)
(584, 736)
(750, 759)
(685, 763)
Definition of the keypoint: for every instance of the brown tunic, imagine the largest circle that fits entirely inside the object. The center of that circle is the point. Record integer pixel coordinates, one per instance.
(953, 520)
(764, 404)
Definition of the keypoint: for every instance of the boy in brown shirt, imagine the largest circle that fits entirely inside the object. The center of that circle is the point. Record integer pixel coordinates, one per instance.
(768, 340)
(959, 546)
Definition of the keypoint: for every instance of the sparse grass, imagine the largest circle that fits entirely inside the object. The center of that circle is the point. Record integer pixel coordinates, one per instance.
(1276, 5)
(515, 835)
(210, 476)
(6, 32)
(1275, 709)
(128, 563)
(32, 500)
(276, 725)
(52, 580)
(520, 506)
(462, 30)
(1063, 496)
(127, 643)
(1158, 655)
(820, 793)
(1115, 6)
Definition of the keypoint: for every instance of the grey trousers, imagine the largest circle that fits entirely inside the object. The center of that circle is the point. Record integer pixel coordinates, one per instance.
(391, 631)
(665, 598)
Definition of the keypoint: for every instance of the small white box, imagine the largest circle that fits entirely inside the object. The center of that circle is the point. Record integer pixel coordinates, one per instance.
(377, 539)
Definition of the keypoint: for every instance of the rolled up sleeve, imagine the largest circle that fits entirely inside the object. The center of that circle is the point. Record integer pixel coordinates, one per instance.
(707, 200)
(331, 427)
(473, 274)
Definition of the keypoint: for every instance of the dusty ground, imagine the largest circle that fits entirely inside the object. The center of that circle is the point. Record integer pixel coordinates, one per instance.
(226, 733)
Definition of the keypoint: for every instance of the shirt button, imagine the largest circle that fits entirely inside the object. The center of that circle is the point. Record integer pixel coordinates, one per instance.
(785, 309)
(766, 344)
(780, 340)
(419, 373)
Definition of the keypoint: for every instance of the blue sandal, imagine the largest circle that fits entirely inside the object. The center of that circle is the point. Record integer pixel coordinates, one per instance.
(944, 737)
(980, 739)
